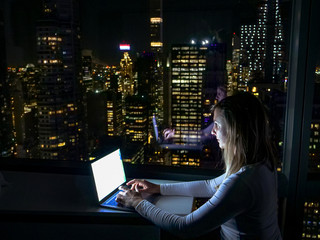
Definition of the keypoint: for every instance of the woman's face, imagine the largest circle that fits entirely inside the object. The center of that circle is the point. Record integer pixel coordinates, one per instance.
(219, 128)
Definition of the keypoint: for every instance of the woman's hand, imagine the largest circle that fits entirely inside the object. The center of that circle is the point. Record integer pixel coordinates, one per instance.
(168, 133)
(144, 186)
(128, 197)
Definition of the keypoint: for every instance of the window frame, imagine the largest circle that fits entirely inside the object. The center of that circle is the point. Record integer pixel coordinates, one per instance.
(302, 62)
(297, 119)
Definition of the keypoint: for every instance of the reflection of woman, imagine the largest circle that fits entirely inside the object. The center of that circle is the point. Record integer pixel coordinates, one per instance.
(168, 133)
(243, 201)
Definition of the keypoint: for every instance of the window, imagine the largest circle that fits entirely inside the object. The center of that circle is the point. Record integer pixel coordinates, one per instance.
(301, 147)
(115, 86)
(78, 82)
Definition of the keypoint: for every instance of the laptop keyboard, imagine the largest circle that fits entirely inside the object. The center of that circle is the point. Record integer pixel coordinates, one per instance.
(112, 200)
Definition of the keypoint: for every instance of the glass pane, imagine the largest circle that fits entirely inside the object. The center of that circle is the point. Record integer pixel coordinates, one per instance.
(314, 147)
(311, 198)
(78, 80)
(311, 219)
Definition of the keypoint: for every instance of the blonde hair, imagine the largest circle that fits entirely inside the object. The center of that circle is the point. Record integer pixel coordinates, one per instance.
(248, 138)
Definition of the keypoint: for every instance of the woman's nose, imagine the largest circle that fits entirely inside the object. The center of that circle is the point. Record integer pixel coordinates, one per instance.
(213, 132)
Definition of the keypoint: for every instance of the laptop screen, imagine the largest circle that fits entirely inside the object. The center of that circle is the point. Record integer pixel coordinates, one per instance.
(108, 173)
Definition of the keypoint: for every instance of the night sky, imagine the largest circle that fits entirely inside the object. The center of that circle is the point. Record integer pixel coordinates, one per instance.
(105, 24)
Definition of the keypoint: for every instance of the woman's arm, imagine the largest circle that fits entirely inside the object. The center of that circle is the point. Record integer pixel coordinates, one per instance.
(232, 198)
(204, 188)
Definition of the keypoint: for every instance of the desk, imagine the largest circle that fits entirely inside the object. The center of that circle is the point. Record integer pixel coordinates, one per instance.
(63, 206)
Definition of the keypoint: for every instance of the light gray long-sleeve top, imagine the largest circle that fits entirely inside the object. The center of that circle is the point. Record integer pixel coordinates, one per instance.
(245, 206)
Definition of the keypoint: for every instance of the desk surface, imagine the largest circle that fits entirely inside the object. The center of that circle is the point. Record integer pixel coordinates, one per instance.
(47, 194)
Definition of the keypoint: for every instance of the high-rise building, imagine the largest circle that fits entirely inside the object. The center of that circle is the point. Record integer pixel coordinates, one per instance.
(87, 70)
(156, 46)
(6, 128)
(311, 220)
(136, 128)
(146, 69)
(104, 118)
(234, 63)
(126, 86)
(114, 115)
(247, 33)
(262, 58)
(314, 147)
(156, 22)
(196, 72)
(311, 216)
(136, 119)
(102, 77)
(15, 76)
(60, 104)
(24, 109)
(188, 66)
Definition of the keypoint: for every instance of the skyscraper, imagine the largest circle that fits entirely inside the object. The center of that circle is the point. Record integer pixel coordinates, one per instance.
(61, 133)
(262, 58)
(188, 63)
(136, 119)
(114, 114)
(156, 39)
(126, 86)
(146, 69)
(156, 46)
(196, 71)
(104, 118)
(87, 70)
(24, 109)
(311, 220)
(6, 131)
(314, 147)
(247, 33)
(234, 64)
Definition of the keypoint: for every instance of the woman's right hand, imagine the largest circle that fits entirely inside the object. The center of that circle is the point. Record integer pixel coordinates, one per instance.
(168, 133)
(144, 186)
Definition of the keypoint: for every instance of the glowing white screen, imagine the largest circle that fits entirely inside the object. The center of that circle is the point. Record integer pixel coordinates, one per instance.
(108, 173)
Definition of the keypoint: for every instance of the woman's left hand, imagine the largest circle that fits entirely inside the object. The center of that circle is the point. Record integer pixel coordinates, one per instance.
(128, 198)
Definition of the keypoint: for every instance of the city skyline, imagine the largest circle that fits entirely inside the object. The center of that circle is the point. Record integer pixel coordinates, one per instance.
(65, 106)
(59, 66)
(104, 26)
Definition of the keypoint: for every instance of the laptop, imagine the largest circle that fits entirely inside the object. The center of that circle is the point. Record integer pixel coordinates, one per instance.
(172, 146)
(108, 174)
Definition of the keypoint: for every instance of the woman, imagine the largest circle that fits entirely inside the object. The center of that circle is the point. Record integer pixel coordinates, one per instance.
(243, 201)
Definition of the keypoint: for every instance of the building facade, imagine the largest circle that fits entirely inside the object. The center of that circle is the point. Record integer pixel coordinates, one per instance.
(156, 23)
(60, 111)
(262, 56)
(136, 120)
(188, 65)
(6, 128)
(156, 47)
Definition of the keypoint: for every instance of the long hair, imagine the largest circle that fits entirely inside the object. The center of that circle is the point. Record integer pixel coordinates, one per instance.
(248, 135)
